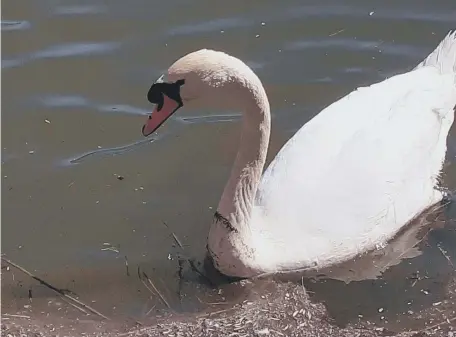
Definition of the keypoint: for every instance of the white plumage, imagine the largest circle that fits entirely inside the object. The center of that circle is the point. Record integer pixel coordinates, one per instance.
(360, 170)
(344, 184)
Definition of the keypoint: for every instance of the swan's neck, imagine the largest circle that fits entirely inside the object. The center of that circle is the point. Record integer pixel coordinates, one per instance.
(238, 197)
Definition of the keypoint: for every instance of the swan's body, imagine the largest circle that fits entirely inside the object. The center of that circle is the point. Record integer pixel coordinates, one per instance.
(344, 184)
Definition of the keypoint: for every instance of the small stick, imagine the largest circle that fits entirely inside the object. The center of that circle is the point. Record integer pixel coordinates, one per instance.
(77, 307)
(144, 283)
(445, 255)
(136, 331)
(126, 265)
(150, 310)
(18, 316)
(338, 32)
(174, 236)
(303, 288)
(181, 276)
(50, 286)
(447, 321)
(215, 312)
(210, 303)
(156, 290)
(153, 292)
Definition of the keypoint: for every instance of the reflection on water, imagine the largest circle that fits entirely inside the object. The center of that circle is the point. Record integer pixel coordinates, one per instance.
(8, 25)
(75, 77)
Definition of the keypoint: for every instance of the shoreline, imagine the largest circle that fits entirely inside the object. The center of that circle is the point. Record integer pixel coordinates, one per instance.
(288, 311)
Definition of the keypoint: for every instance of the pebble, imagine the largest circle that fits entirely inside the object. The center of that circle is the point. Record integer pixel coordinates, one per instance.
(261, 332)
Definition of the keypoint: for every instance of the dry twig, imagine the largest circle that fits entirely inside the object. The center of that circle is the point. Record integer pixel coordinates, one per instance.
(57, 290)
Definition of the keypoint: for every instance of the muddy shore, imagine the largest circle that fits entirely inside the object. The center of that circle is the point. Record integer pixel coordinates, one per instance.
(289, 312)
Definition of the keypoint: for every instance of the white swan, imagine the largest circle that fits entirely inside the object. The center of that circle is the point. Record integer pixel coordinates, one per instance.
(344, 184)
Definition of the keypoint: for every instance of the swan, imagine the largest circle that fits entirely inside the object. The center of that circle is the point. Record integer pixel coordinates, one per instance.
(344, 184)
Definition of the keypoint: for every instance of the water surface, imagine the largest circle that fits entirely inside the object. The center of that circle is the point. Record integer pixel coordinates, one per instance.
(83, 193)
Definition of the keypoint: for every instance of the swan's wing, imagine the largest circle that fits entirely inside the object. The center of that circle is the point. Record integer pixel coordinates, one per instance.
(353, 175)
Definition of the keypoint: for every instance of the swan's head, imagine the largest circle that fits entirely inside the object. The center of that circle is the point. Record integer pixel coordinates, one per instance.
(205, 77)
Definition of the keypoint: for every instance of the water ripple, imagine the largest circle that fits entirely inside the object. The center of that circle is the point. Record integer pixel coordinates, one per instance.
(64, 50)
(356, 45)
(209, 119)
(9, 25)
(123, 108)
(74, 101)
(77, 49)
(309, 11)
(112, 151)
(59, 101)
(115, 151)
(80, 10)
(210, 26)
(11, 63)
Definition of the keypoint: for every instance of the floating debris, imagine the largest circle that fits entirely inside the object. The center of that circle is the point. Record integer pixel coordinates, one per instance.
(110, 247)
(335, 33)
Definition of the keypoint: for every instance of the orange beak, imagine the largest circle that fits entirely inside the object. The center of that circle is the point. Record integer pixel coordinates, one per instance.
(158, 117)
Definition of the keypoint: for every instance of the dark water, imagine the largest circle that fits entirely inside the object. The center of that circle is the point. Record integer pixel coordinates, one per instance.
(74, 81)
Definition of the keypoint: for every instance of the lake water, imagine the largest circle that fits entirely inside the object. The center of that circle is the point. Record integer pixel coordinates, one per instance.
(85, 196)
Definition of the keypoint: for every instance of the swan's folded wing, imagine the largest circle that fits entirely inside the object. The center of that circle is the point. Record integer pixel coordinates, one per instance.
(352, 176)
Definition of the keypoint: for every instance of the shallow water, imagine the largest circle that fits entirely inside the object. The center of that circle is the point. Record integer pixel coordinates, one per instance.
(74, 80)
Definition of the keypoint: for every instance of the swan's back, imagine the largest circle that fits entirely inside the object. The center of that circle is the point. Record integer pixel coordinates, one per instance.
(355, 174)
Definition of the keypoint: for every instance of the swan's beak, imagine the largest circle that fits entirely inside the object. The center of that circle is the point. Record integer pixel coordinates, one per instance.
(160, 115)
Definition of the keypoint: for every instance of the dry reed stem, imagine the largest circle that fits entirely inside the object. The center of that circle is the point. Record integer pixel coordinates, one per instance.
(56, 290)
(153, 286)
(174, 236)
(447, 321)
(445, 255)
(17, 316)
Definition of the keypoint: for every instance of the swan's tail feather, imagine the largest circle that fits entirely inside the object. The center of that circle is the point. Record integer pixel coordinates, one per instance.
(444, 56)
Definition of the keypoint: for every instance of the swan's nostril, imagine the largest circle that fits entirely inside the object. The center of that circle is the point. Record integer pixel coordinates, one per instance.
(150, 117)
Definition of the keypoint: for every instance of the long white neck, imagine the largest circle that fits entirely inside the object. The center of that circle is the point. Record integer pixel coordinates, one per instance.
(238, 196)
